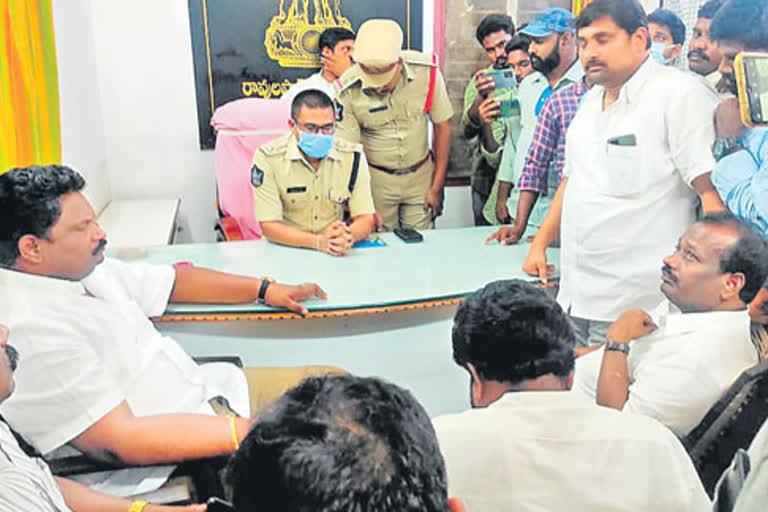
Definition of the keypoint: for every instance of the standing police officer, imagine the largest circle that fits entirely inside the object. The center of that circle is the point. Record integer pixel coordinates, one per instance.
(385, 101)
(305, 181)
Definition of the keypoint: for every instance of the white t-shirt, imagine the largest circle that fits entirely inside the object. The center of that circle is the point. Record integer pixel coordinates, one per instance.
(87, 346)
(677, 373)
(26, 483)
(558, 451)
(627, 203)
(315, 81)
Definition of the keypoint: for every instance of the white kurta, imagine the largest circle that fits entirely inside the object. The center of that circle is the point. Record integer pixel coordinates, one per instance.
(87, 346)
(558, 451)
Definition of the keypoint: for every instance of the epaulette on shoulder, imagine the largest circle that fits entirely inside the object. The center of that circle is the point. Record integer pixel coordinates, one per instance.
(277, 146)
(419, 58)
(347, 80)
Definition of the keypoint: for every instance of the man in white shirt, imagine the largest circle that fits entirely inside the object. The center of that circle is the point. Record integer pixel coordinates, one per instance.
(674, 367)
(529, 444)
(98, 376)
(26, 482)
(337, 46)
(637, 159)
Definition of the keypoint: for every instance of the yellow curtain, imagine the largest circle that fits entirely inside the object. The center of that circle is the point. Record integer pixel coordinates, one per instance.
(29, 91)
(578, 5)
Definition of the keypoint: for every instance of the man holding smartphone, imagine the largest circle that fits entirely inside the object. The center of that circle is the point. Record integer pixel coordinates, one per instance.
(741, 175)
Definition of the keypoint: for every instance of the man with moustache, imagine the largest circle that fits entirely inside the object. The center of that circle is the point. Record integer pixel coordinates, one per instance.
(637, 161)
(741, 175)
(26, 482)
(100, 378)
(704, 55)
(674, 363)
(555, 58)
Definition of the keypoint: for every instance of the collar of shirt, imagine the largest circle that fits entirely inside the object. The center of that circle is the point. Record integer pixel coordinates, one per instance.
(294, 153)
(39, 284)
(573, 75)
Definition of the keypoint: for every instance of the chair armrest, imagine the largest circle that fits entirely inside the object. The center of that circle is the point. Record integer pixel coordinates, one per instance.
(230, 229)
(235, 360)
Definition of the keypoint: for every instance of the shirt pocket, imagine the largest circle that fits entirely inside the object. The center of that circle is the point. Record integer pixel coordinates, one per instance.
(297, 199)
(624, 171)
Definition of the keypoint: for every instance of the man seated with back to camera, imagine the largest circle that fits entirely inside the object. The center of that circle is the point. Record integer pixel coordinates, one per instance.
(304, 181)
(341, 444)
(530, 445)
(98, 377)
(674, 363)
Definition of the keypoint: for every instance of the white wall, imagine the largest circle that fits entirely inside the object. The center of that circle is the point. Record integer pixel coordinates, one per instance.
(82, 124)
(147, 91)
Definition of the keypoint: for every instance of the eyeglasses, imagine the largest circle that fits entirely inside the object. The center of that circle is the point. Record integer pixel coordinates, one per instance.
(327, 129)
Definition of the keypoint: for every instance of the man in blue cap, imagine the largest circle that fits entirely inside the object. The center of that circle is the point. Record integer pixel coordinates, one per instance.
(555, 58)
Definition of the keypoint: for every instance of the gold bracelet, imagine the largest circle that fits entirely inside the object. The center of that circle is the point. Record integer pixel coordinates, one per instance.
(233, 429)
(319, 241)
(138, 506)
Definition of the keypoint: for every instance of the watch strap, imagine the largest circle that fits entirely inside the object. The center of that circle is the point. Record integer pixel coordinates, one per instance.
(263, 289)
(617, 347)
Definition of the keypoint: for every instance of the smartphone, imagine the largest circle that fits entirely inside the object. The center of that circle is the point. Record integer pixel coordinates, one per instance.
(503, 78)
(219, 505)
(751, 71)
(408, 235)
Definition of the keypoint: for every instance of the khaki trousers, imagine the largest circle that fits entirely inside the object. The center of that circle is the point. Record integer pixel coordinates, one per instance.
(399, 199)
(266, 385)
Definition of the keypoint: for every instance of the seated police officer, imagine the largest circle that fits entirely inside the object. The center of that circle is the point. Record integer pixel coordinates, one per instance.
(306, 182)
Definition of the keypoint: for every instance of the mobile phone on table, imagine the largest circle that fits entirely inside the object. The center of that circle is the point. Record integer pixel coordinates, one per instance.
(751, 71)
(408, 235)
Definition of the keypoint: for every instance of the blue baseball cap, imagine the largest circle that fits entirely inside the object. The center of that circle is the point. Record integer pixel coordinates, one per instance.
(550, 21)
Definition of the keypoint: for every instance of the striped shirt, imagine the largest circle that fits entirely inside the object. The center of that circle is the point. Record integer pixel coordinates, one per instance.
(548, 144)
(26, 483)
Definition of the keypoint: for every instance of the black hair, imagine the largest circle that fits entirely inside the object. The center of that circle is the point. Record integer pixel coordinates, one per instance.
(512, 332)
(494, 23)
(709, 9)
(29, 200)
(333, 36)
(310, 98)
(519, 42)
(749, 255)
(627, 14)
(340, 444)
(670, 20)
(743, 22)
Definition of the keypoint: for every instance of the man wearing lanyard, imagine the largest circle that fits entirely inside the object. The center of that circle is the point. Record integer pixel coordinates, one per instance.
(636, 158)
(555, 57)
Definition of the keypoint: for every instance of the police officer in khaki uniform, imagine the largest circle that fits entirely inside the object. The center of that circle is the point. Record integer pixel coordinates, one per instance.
(385, 101)
(304, 182)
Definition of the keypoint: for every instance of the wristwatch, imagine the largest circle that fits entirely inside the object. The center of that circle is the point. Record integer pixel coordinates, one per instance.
(618, 347)
(265, 282)
(724, 146)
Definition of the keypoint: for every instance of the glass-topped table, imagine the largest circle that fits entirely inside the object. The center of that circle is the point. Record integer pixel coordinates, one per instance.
(389, 310)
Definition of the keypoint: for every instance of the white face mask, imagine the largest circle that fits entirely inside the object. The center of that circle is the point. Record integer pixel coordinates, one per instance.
(657, 52)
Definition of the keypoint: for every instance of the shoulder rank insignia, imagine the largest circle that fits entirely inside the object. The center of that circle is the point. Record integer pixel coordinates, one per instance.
(339, 112)
(257, 177)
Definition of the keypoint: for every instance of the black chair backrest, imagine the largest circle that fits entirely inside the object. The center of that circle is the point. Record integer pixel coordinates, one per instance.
(729, 425)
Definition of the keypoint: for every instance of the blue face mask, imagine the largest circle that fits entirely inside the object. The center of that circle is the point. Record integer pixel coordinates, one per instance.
(657, 52)
(315, 145)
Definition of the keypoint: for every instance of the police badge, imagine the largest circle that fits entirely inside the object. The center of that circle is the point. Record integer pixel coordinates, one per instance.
(257, 177)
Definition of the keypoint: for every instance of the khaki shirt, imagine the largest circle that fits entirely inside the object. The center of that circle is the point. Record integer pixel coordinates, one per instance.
(291, 191)
(393, 128)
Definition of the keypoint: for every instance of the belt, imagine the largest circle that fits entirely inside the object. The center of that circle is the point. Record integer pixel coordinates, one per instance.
(406, 170)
